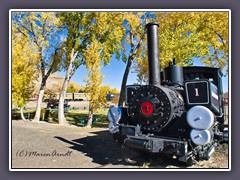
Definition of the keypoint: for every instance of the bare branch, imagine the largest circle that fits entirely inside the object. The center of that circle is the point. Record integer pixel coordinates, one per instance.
(21, 32)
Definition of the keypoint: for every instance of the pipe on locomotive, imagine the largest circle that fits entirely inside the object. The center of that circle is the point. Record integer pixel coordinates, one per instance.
(153, 58)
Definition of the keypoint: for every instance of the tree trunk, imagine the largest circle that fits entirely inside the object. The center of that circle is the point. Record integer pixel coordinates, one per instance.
(39, 104)
(90, 117)
(124, 82)
(129, 63)
(22, 115)
(40, 97)
(61, 117)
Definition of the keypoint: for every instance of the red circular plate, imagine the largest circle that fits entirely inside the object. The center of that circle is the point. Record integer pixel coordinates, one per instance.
(147, 108)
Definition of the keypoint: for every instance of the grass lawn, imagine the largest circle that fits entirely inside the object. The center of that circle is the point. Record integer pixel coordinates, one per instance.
(73, 116)
(77, 117)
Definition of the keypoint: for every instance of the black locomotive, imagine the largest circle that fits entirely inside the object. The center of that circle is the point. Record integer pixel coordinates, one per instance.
(180, 112)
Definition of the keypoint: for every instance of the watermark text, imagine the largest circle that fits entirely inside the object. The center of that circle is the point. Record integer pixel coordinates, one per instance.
(54, 153)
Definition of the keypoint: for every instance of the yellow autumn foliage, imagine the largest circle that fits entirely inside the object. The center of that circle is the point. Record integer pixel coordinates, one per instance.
(188, 35)
(24, 69)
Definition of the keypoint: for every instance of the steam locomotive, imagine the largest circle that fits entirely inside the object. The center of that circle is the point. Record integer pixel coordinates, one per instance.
(179, 113)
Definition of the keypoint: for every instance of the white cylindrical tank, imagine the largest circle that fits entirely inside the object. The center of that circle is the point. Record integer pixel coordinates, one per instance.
(200, 117)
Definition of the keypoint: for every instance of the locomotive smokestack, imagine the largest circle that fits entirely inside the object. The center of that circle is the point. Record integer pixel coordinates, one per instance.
(153, 59)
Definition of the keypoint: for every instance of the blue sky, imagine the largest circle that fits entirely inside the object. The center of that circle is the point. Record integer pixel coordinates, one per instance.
(113, 74)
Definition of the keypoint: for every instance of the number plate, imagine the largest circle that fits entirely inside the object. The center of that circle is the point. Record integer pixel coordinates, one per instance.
(197, 92)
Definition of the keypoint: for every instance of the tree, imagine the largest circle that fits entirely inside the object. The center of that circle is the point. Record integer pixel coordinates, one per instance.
(77, 27)
(94, 78)
(84, 29)
(42, 28)
(185, 35)
(23, 69)
(134, 35)
(94, 86)
(213, 32)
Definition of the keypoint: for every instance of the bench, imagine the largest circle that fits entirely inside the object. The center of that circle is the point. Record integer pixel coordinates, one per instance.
(83, 122)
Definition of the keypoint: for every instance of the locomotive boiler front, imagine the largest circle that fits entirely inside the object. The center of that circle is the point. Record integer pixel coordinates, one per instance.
(153, 107)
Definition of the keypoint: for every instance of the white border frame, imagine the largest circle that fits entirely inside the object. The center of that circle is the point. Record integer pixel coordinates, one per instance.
(113, 10)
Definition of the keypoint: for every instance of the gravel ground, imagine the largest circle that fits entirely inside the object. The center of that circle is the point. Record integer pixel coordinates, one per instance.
(45, 145)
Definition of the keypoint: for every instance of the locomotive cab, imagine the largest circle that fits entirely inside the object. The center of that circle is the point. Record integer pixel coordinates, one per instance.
(180, 111)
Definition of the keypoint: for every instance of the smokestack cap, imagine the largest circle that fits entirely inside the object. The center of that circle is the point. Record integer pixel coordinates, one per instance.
(152, 23)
